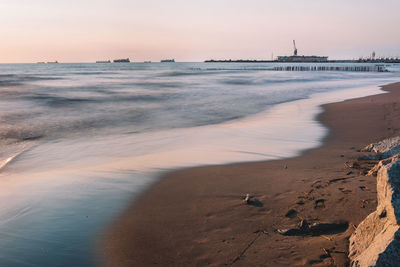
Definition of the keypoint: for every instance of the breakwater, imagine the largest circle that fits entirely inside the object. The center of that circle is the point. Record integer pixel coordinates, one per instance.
(369, 68)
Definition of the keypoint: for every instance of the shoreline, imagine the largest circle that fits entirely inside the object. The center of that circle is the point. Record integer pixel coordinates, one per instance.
(201, 220)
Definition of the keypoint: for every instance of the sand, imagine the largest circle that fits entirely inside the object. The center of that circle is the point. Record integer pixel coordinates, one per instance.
(196, 217)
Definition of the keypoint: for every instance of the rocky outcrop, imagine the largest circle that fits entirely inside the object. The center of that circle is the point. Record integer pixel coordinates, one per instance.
(384, 149)
(382, 163)
(376, 241)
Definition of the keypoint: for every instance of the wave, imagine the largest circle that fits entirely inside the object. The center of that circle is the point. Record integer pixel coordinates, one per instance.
(59, 101)
(4, 163)
(196, 72)
(154, 85)
(11, 151)
(7, 80)
(93, 73)
(137, 99)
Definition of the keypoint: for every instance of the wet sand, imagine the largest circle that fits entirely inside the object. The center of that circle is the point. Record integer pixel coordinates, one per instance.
(196, 216)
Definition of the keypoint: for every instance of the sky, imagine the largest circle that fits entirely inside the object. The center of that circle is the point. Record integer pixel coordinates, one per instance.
(188, 30)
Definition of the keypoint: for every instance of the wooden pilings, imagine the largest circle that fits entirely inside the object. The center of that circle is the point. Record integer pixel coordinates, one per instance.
(375, 68)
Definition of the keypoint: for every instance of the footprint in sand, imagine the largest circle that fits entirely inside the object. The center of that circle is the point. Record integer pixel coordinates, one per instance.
(344, 191)
(364, 188)
(319, 203)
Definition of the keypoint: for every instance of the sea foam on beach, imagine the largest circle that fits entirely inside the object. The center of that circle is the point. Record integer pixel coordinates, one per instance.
(78, 141)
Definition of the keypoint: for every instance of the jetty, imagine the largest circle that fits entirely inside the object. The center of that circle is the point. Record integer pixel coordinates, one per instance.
(362, 68)
(295, 58)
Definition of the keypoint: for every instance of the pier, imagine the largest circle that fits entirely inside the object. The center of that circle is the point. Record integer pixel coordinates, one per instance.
(372, 68)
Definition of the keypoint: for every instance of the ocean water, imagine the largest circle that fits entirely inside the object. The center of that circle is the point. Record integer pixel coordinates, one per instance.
(78, 142)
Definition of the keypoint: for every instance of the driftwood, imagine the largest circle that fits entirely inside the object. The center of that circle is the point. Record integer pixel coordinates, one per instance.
(250, 200)
(316, 229)
(247, 199)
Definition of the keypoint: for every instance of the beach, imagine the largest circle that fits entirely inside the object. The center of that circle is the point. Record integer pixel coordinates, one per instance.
(196, 216)
(199, 133)
(81, 142)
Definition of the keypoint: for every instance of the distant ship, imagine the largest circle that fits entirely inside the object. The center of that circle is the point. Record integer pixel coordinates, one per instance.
(167, 60)
(124, 60)
(52, 62)
(103, 61)
(147, 62)
(296, 58)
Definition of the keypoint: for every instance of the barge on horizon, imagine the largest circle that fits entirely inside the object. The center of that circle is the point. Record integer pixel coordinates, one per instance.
(123, 60)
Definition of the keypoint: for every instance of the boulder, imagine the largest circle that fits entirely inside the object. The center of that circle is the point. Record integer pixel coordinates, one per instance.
(384, 149)
(376, 240)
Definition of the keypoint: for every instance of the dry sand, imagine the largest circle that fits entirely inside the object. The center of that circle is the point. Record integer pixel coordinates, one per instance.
(196, 217)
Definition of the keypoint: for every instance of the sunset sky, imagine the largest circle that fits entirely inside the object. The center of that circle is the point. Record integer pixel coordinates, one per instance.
(90, 30)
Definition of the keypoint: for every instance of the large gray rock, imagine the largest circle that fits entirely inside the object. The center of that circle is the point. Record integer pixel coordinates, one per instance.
(376, 241)
(384, 149)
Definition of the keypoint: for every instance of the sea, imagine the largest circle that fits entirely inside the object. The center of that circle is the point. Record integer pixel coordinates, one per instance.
(80, 142)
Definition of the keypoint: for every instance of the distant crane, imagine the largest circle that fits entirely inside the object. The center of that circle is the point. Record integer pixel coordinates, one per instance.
(295, 49)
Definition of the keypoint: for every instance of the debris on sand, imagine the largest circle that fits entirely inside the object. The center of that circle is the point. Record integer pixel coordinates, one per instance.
(315, 229)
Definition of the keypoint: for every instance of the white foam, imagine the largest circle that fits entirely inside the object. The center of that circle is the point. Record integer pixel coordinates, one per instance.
(283, 131)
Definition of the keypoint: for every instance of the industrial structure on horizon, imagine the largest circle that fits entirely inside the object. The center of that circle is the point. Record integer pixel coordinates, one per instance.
(297, 58)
